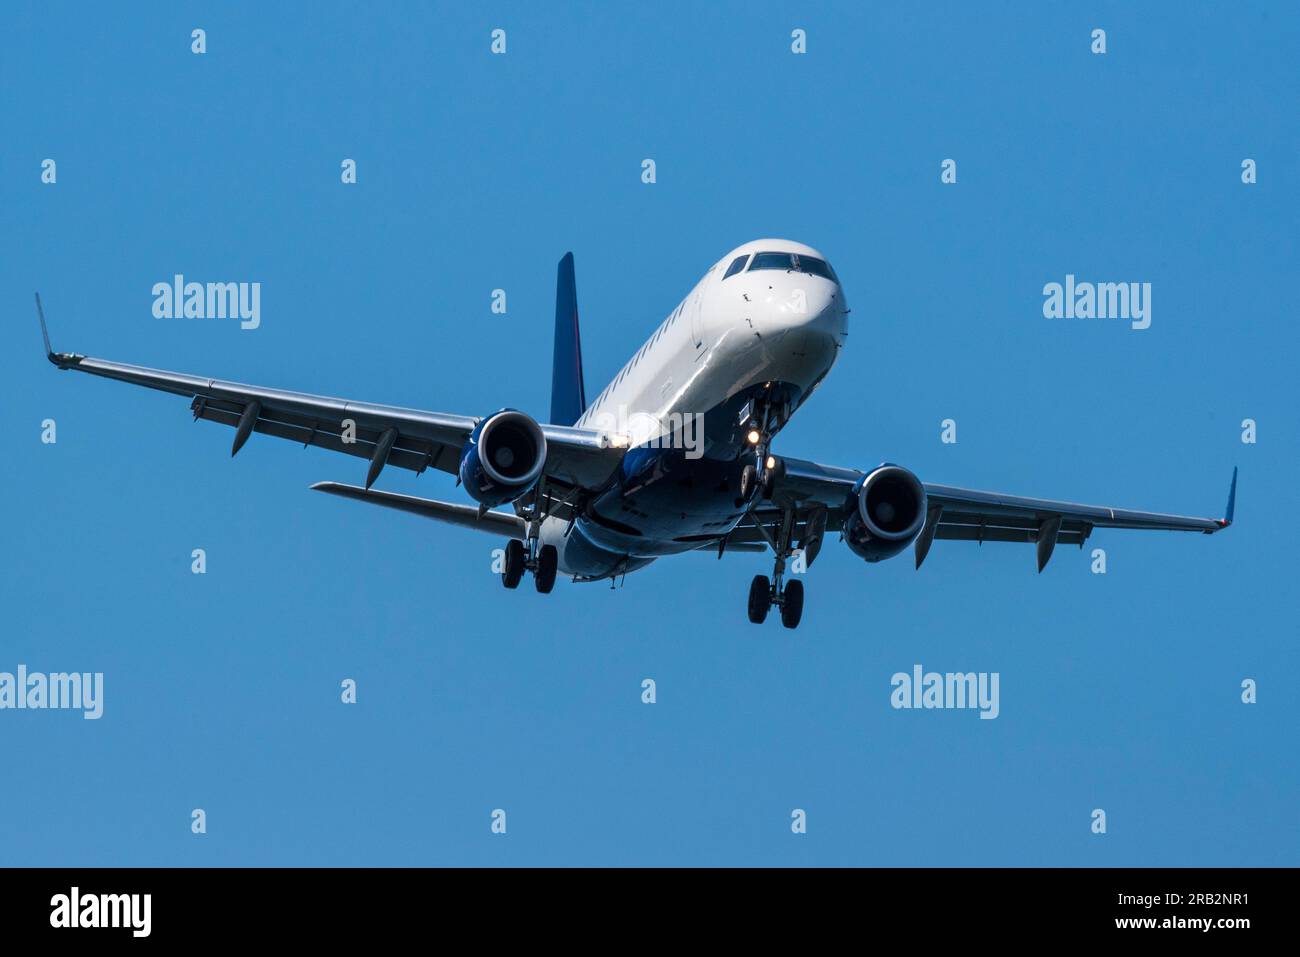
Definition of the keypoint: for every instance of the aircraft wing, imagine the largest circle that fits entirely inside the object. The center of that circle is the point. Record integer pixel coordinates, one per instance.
(385, 435)
(467, 516)
(960, 514)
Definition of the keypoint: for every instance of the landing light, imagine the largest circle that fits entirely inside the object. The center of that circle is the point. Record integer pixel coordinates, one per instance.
(771, 461)
(753, 436)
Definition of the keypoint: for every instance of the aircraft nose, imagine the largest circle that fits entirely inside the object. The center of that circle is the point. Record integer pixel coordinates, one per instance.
(799, 300)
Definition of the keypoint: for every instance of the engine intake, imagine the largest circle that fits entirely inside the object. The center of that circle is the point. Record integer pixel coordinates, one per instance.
(503, 458)
(889, 512)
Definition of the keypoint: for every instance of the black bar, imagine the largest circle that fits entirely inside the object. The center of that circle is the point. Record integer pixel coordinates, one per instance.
(333, 906)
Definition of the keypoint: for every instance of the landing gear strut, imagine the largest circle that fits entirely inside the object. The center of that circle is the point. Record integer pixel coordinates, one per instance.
(765, 592)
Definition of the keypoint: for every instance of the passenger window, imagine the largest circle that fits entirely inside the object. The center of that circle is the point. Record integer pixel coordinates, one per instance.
(736, 266)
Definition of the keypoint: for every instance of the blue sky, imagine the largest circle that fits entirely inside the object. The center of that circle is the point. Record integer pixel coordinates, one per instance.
(1118, 691)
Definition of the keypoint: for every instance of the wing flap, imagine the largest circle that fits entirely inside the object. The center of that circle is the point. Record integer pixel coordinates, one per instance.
(993, 533)
(407, 452)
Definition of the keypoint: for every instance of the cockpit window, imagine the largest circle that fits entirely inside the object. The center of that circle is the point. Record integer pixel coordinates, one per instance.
(793, 262)
(818, 267)
(771, 261)
(736, 266)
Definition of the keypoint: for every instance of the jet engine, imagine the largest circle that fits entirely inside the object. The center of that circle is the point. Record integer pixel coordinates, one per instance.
(503, 458)
(889, 510)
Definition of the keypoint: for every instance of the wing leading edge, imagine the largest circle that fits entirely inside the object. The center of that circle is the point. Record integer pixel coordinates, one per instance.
(385, 435)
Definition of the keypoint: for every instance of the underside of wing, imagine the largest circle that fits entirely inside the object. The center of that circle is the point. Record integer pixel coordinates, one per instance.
(804, 491)
(384, 435)
(466, 516)
(415, 445)
(957, 514)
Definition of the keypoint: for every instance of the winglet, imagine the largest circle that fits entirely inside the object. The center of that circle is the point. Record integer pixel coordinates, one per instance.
(1232, 501)
(61, 359)
(45, 333)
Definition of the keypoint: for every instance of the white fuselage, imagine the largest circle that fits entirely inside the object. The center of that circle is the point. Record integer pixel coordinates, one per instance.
(731, 334)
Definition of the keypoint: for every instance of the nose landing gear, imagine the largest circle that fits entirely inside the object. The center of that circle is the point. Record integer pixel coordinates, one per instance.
(760, 421)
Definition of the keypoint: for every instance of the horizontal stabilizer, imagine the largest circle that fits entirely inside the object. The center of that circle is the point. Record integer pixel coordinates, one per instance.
(467, 516)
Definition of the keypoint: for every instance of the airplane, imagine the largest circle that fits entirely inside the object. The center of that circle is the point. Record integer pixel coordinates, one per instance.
(710, 389)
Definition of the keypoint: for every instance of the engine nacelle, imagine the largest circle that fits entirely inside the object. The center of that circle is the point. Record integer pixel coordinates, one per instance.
(890, 511)
(503, 458)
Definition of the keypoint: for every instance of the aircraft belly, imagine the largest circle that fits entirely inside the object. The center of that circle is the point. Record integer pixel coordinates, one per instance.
(667, 502)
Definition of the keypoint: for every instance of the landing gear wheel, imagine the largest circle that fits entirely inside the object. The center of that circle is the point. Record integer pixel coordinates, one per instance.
(514, 567)
(792, 604)
(548, 561)
(748, 475)
(760, 599)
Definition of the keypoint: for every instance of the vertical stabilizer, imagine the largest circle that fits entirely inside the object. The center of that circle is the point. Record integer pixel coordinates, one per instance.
(568, 396)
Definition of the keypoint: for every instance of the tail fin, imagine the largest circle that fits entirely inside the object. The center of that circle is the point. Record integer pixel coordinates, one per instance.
(568, 396)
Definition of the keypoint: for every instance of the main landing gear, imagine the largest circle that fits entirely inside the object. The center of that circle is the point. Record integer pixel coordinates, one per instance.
(765, 592)
(544, 563)
(763, 595)
(529, 555)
